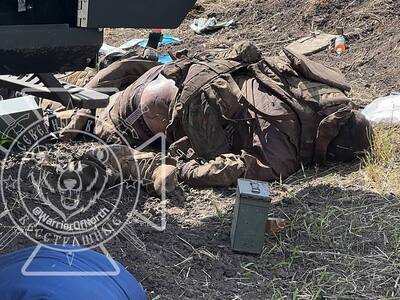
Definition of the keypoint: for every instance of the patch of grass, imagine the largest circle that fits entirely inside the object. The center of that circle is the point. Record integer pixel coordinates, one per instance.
(250, 269)
(315, 288)
(380, 166)
(383, 147)
(317, 223)
(288, 262)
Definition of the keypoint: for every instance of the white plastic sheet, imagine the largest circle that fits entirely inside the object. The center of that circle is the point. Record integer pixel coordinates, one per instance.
(202, 25)
(384, 110)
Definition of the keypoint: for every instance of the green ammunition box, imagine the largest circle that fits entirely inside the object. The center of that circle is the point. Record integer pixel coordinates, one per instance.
(250, 215)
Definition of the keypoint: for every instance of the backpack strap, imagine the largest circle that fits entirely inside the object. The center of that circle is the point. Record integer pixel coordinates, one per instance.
(204, 76)
(197, 75)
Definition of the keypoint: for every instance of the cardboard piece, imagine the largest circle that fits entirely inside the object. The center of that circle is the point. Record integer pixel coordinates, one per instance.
(312, 44)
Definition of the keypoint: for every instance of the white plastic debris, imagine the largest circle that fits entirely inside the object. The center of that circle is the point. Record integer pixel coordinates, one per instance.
(202, 25)
(107, 49)
(385, 110)
(131, 43)
(21, 5)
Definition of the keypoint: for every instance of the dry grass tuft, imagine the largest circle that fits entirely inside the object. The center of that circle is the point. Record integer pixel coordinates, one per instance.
(381, 166)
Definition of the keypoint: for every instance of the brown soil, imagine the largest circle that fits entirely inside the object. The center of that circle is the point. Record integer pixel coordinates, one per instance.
(371, 65)
(343, 238)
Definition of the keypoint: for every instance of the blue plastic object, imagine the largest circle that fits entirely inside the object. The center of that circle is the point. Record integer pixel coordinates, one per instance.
(165, 59)
(168, 39)
(15, 286)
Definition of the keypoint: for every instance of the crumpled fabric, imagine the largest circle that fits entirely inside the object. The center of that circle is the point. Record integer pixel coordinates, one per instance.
(243, 51)
(315, 71)
(121, 74)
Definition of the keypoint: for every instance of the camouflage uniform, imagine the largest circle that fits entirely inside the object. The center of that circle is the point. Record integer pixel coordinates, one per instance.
(234, 114)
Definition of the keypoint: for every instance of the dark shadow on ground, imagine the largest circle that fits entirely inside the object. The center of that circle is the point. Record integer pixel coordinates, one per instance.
(338, 244)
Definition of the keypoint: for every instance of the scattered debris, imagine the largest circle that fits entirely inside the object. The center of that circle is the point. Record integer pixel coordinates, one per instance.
(340, 45)
(275, 225)
(317, 42)
(203, 25)
(167, 39)
(107, 49)
(247, 232)
(385, 110)
(110, 51)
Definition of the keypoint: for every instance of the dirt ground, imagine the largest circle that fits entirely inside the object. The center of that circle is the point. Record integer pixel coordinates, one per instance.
(343, 238)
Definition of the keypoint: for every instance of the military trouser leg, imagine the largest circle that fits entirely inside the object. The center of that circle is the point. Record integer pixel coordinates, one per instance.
(129, 164)
(224, 171)
(73, 122)
(221, 172)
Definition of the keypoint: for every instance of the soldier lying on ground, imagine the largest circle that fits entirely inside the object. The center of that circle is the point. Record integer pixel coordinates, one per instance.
(230, 114)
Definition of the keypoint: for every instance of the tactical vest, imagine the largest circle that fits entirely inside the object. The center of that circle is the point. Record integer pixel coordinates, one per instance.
(203, 115)
(196, 114)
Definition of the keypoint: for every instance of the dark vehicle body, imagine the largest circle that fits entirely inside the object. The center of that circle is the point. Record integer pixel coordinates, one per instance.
(47, 36)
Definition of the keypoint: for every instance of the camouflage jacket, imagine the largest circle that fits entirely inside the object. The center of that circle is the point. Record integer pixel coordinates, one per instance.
(268, 110)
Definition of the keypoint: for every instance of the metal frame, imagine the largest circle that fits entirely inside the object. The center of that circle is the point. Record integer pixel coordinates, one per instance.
(45, 85)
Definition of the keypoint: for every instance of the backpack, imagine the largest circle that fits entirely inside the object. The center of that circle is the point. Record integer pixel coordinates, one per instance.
(213, 113)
